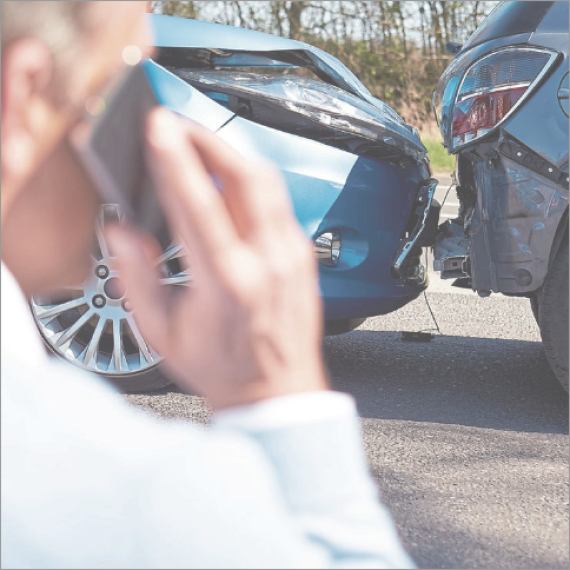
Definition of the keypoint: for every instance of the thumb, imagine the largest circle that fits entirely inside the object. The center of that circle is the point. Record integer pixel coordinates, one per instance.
(135, 258)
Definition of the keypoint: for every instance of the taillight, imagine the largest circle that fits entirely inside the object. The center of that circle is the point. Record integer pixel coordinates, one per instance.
(493, 87)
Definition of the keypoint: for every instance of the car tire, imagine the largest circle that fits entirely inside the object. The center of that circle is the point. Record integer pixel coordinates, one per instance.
(148, 381)
(534, 306)
(553, 315)
(343, 326)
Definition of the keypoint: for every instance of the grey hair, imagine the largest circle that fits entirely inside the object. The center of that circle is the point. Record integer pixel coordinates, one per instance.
(61, 26)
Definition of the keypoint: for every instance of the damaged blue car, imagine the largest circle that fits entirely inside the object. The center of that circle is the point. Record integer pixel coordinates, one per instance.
(357, 174)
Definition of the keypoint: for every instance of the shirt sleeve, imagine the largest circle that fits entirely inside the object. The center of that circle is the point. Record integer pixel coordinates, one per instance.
(90, 482)
(287, 411)
(314, 443)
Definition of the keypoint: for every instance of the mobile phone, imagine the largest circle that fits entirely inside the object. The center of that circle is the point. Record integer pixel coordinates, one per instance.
(111, 147)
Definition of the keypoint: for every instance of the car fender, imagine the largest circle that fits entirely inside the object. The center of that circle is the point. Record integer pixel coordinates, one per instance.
(184, 99)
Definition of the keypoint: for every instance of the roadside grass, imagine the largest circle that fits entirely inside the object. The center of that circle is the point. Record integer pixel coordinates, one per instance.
(440, 160)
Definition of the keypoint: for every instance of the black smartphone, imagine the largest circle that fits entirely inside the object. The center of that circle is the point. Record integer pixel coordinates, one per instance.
(111, 146)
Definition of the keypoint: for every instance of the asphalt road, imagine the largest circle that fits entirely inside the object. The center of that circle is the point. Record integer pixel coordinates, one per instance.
(467, 435)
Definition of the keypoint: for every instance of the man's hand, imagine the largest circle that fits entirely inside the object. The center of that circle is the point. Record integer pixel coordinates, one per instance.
(249, 327)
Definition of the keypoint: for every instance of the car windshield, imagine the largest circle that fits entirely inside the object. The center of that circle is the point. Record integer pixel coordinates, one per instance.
(509, 18)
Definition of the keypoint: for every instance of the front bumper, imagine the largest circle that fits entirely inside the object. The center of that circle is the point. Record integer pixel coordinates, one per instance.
(425, 217)
(371, 203)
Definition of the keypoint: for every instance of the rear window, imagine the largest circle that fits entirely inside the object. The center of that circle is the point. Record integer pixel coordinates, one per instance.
(509, 18)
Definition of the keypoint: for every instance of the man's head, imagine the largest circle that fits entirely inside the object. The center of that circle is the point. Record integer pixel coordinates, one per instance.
(56, 56)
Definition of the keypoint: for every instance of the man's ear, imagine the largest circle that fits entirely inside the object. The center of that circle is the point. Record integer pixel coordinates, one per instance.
(27, 68)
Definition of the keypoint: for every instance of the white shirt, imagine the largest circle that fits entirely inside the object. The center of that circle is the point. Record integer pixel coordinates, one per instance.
(90, 482)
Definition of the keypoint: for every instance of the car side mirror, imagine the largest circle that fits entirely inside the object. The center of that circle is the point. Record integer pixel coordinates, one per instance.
(453, 47)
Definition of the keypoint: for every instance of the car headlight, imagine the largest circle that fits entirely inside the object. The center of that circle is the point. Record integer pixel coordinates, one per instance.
(492, 88)
(316, 100)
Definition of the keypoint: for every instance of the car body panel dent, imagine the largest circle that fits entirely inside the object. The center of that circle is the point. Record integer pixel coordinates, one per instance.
(182, 33)
(186, 33)
(511, 228)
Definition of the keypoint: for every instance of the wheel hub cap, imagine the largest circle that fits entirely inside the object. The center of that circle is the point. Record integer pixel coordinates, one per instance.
(114, 288)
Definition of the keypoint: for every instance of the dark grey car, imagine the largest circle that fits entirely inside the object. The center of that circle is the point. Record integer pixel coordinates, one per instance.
(502, 107)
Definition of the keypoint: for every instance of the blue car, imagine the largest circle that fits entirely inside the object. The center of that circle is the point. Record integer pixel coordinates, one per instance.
(358, 176)
(502, 105)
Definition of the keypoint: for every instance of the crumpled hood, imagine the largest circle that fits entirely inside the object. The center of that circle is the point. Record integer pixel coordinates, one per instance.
(184, 33)
(172, 32)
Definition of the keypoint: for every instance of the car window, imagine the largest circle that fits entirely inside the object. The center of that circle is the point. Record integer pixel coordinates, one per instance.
(509, 18)
(556, 21)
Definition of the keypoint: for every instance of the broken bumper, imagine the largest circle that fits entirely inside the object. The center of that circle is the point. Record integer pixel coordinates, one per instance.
(424, 225)
(504, 238)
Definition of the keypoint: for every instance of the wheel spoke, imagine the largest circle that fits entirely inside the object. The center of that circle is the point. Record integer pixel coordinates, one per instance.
(183, 278)
(117, 345)
(141, 343)
(77, 287)
(101, 241)
(94, 342)
(108, 213)
(73, 329)
(55, 310)
(171, 252)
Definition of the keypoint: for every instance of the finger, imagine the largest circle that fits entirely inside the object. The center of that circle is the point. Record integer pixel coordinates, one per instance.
(258, 202)
(193, 204)
(255, 192)
(135, 258)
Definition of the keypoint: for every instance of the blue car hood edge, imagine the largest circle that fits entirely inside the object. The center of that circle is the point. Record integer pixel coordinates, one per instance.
(173, 32)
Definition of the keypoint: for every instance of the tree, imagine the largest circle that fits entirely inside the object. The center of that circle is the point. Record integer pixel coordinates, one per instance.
(181, 8)
(397, 49)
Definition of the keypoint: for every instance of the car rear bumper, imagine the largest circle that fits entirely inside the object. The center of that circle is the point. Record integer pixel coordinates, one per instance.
(513, 203)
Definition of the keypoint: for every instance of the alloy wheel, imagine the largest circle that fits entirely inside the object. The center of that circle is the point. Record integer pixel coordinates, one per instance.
(93, 325)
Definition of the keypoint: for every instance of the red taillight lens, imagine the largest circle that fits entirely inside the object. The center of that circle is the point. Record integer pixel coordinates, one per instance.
(492, 87)
(477, 115)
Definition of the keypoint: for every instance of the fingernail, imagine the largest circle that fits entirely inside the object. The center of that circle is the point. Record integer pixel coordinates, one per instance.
(161, 126)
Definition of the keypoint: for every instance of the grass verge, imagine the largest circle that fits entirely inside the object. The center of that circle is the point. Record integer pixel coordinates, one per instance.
(440, 160)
